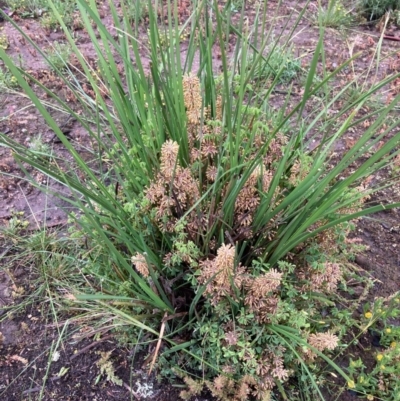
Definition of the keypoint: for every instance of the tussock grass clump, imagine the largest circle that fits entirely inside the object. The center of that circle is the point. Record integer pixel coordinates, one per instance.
(209, 222)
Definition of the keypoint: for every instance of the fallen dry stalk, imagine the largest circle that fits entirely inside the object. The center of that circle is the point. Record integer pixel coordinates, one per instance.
(165, 318)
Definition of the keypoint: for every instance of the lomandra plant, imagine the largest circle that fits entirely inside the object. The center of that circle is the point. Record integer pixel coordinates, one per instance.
(210, 218)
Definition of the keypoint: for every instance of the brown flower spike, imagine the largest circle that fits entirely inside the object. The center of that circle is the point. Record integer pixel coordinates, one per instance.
(192, 97)
(141, 265)
(222, 273)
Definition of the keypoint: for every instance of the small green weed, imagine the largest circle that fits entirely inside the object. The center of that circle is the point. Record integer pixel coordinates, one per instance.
(375, 9)
(136, 10)
(107, 368)
(66, 10)
(335, 15)
(28, 8)
(279, 64)
(14, 227)
(237, 5)
(396, 17)
(42, 9)
(382, 381)
(3, 41)
(39, 148)
(7, 80)
(395, 167)
(58, 55)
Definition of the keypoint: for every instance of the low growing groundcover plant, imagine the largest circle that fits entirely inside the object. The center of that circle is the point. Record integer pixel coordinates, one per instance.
(217, 233)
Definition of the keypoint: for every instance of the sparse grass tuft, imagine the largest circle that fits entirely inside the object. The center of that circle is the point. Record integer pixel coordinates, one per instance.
(107, 368)
(381, 380)
(334, 15)
(58, 55)
(60, 9)
(4, 41)
(375, 9)
(136, 10)
(38, 147)
(279, 63)
(48, 14)
(28, 8)
(7, 80)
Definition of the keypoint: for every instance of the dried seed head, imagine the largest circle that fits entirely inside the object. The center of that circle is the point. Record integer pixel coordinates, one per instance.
(219, 382)
(243, 390)
(192, 97)
(225, 262)
(322, 341)
(280, 373)
(211, 173)
(169, 159)
(271, 367)
(262, 285)
(218, 108)
(186, 187)
(208, 148)
(222, 273)
(275, 149)
(141, 265)
(231, 338)
(195, 155)
(248, 198)
(327, 280)
(155, 192)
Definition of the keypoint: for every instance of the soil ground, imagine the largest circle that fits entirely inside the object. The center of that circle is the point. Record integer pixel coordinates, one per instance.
(29, 336)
